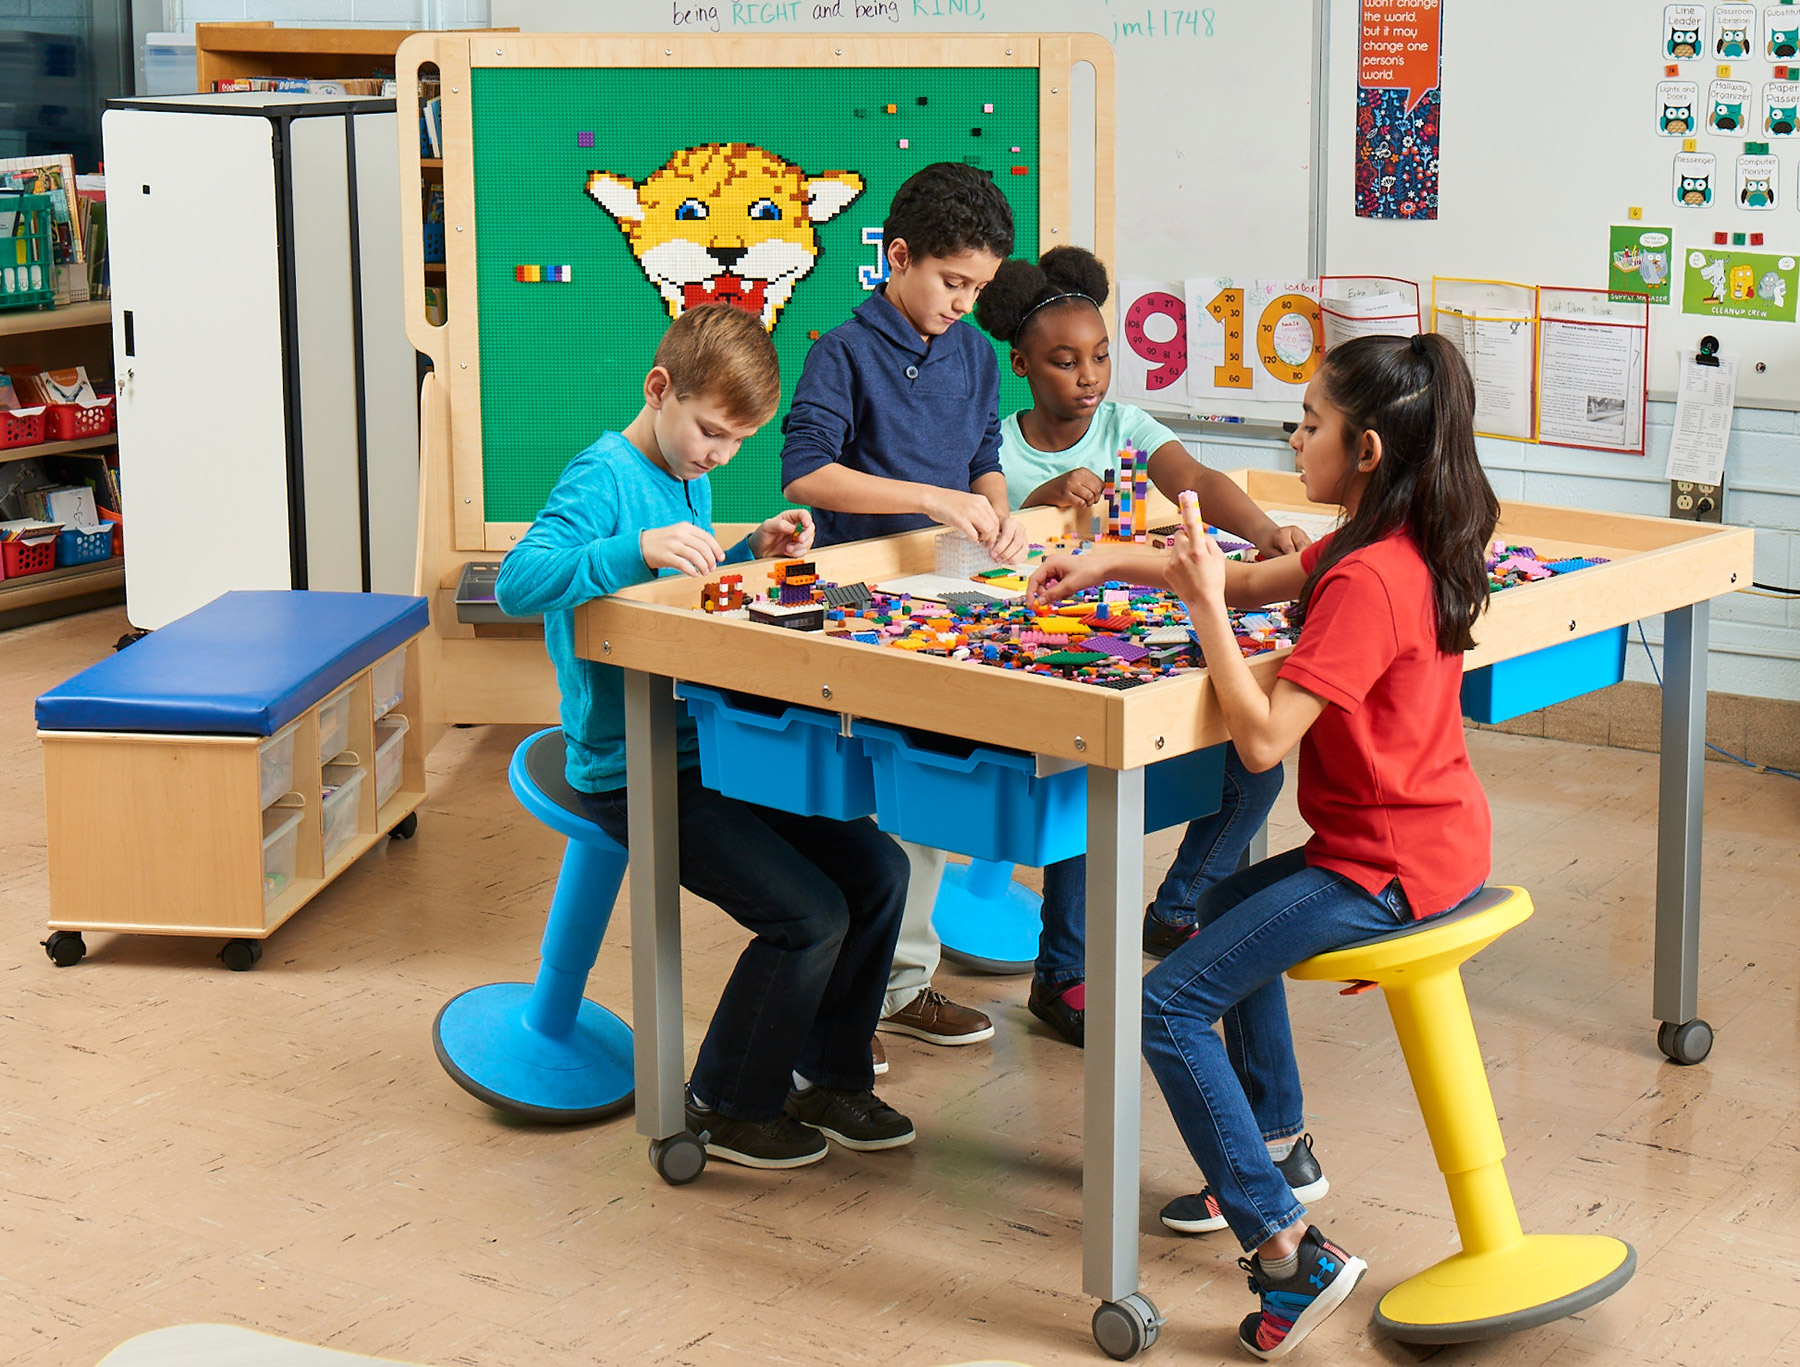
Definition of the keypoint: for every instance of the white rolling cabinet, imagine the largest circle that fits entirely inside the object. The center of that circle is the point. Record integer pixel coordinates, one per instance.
(268, 415)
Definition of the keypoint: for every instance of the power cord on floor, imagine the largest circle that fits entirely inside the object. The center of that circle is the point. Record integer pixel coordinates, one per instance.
(1716, 749)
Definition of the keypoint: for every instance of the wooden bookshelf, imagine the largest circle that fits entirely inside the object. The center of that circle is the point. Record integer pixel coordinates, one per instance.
(58, 448)
(230, 51)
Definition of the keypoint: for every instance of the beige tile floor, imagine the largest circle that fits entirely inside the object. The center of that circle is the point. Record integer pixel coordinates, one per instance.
(279, 1149)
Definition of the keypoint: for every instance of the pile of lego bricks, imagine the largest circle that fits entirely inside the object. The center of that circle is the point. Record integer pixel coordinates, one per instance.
(1509, 566)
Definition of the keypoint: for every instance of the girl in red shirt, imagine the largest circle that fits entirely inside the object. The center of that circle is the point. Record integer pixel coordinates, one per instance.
(1400, 824)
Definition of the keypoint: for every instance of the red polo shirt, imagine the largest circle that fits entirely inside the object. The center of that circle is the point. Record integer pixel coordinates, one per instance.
(1385, 780)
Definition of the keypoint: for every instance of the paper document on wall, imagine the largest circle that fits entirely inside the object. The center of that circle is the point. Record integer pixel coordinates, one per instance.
(1703, 401)
(1591, 371)
(1498, 353)
(1367, 306)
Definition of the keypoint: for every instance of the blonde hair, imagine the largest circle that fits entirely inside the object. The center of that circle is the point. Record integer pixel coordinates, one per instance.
(721, 352)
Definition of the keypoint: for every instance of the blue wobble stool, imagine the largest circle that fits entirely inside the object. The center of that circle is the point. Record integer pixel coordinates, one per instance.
(541, 1050)
(985, 920)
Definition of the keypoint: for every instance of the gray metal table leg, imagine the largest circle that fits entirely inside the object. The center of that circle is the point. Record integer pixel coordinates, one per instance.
(655, 902)
(1683, 1037)
(1126, 1320)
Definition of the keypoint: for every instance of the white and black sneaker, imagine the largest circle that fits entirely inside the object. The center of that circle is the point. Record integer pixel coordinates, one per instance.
(1200, 1214)
(779, 1143)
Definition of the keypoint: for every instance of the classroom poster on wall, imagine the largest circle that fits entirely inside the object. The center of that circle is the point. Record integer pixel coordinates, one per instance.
(1781, 32)
(1675, 104)
(1592, 369)
(1758, 181)
(1727, 282)
(1780, 108)
(1696, 179)
(1217, 333)
(1286, 335)
(1728, 108)
(1398, 95)
(1734, 32)
(1684, 31)
(1153, 363)
(1638, 263)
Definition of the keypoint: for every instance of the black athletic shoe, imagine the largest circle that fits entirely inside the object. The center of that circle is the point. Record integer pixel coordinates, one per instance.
(1162, 939)
(1063, 1007)
(857, 1120)
(1199, 1214)
(1295, 1306)
(778, 1143)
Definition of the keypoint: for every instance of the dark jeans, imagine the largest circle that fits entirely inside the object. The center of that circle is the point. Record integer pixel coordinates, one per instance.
(823, 899)
(1209, 851)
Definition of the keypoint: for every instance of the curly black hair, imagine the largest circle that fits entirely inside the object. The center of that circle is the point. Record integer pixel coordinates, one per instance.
(1011, 300)
(946, 209)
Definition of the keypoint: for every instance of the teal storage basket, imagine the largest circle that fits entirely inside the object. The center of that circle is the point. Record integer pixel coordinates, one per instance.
(1511, 688)
(779, 755)
(989, 803)
(27, 269)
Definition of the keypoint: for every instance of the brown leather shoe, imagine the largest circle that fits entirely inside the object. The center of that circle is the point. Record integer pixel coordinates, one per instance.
(934, 1018)
(877, 1054)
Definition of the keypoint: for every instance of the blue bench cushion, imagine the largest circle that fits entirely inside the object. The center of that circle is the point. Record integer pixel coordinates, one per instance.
(246, 664)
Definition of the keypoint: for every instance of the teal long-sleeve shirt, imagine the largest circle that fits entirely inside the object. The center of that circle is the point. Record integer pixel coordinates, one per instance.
(584, 545)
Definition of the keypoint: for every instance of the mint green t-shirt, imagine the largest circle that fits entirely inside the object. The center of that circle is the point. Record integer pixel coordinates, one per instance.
(1114, 425)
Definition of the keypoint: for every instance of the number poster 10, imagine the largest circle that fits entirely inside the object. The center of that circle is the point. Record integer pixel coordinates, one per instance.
(1214, 338)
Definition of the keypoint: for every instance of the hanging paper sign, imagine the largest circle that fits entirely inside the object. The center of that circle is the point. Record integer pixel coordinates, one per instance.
(1723, 282)
(1781, 30)
(1734, 31)
(1398, 94)
(1287, 335)
(1781, 108)
(1684, 31)
(1676, 103)
(1728, 107)
(1758, 181)
(1218, 332)
(1638, 263)
(1155, 358)
(1696, 174)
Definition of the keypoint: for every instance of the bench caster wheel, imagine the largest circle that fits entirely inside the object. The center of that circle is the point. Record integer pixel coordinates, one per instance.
(679, 1159)
(66, 948)
(1686, 1043)
(1124, 1328)
(240, 956)
(405, 827)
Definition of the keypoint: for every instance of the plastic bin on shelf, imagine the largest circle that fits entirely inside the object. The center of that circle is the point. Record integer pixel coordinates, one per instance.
(84, 545)
(753, 747)
(342, 794)
(990, 803)
(434, 242)
(281, 849)
(334, 725)
(276, 758)
(22, 558)
(27, 273)
(390, 756)
(74, 421)
(389, 679)
(22, 427)
(1511, 688)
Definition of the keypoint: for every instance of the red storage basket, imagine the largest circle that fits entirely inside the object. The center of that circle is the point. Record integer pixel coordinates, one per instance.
(74, 421)
(28, 557)
(21, 427)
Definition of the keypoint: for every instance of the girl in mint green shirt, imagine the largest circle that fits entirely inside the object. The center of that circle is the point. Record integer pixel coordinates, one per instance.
(1056, 451)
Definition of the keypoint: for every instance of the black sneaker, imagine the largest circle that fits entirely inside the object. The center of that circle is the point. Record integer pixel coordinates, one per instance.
(857, 1120)
(1199, 1214)
(778, 1143)
(1063, 1007)
(1295, 1306)
(1162, 939)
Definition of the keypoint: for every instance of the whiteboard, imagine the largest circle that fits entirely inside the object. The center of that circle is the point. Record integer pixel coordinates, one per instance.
(1548, 139)
(1215, 105)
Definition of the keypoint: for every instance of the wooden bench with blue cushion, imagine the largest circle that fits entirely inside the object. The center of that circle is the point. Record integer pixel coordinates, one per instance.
(214, 776)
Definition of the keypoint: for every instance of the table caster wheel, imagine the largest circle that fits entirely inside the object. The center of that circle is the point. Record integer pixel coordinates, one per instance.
(240, 956)
(65, 947)
(131, 637)
(679, 1159)
(405, 827)
(1124, 1328)
(1686, 1043)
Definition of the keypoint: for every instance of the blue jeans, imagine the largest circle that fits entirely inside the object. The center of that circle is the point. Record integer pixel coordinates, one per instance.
(823, 899)
(1209, 851)
(1229, 1096)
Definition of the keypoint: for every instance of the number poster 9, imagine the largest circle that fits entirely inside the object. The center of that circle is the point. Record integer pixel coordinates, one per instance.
(1213, 337)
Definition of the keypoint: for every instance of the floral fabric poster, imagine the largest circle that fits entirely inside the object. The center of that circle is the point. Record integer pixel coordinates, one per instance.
(1397, 102)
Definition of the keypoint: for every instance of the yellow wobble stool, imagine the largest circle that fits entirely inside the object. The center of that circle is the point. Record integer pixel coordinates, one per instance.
(1504, 1279)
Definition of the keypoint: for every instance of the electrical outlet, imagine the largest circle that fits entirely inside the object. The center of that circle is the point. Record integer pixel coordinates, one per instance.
(1691, 502)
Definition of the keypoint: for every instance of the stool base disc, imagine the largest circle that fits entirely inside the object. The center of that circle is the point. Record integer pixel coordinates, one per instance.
(1473, 1296)
(990, 935)
(483, 1042)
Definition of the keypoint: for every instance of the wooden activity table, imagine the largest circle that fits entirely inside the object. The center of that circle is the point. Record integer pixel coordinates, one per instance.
(655, 634)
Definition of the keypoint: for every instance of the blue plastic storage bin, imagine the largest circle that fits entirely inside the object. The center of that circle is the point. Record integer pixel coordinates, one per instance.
(84, 546)
(1511, 688)
(990, 803)
(434, 242)
(779, 754)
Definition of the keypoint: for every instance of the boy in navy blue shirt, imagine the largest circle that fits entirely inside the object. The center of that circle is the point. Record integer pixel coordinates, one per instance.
(786, 1062)
(895, 425)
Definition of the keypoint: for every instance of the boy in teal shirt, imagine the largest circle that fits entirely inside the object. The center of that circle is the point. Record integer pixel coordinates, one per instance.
(785, 1063)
